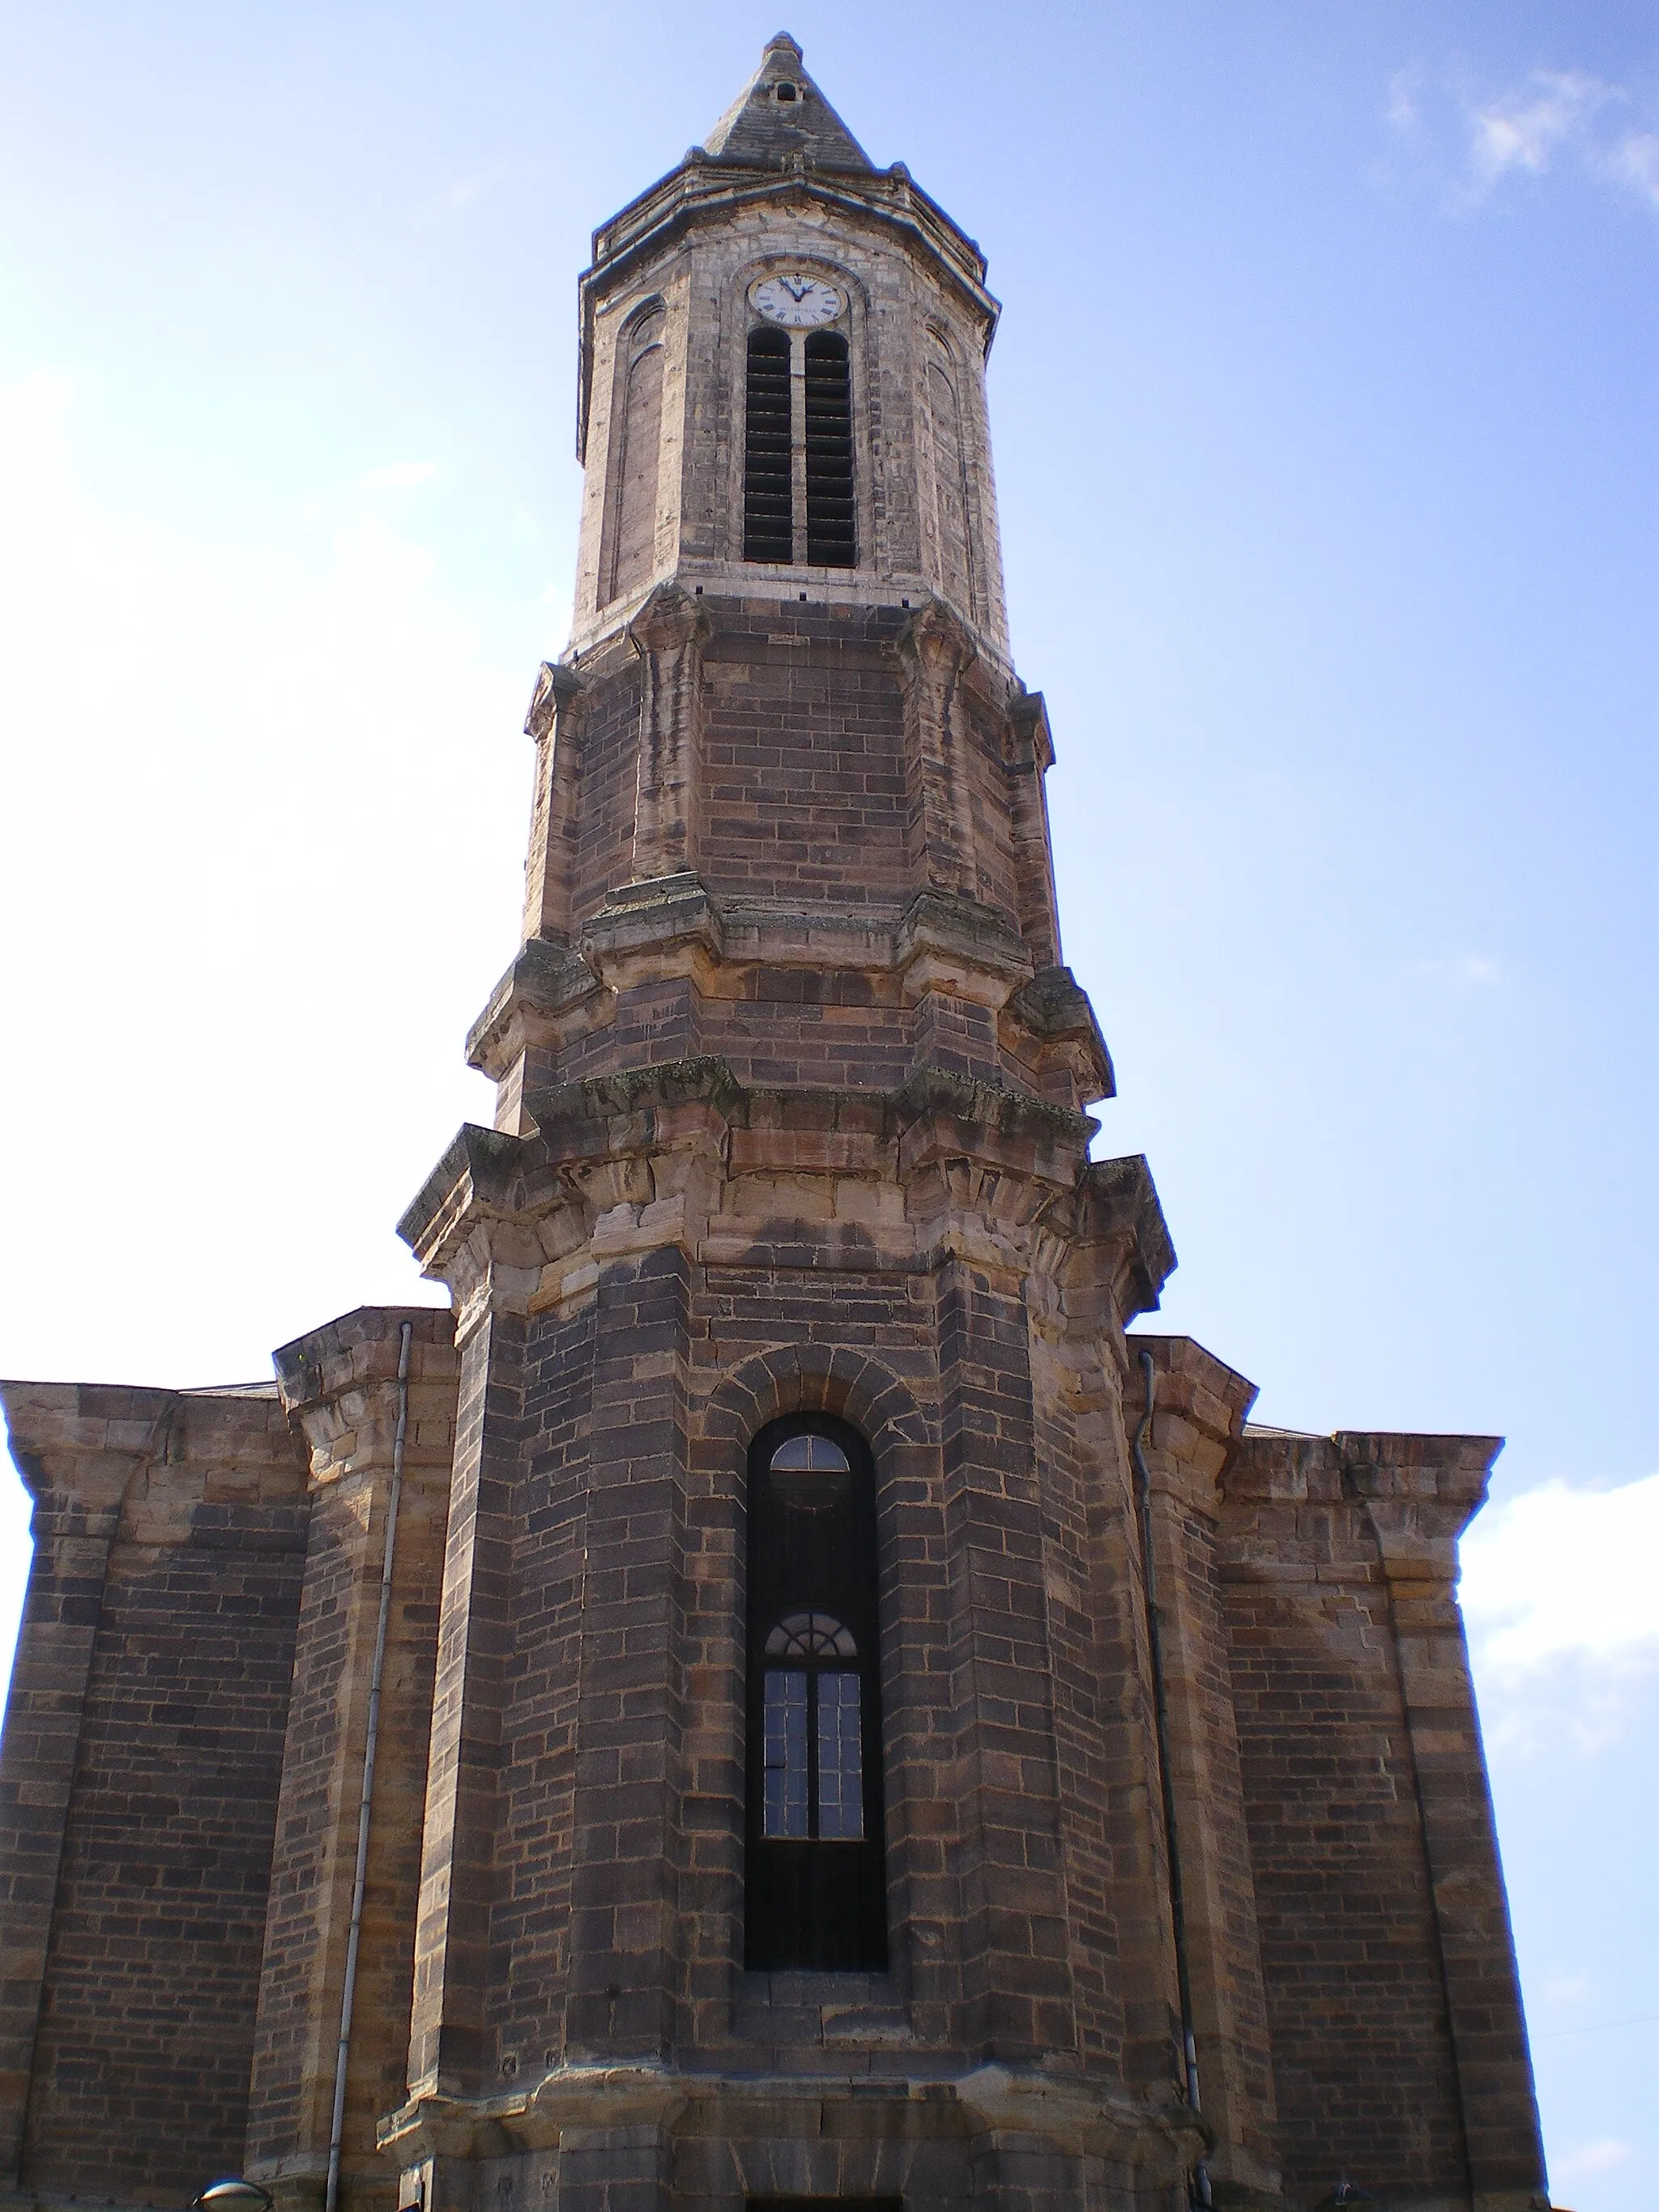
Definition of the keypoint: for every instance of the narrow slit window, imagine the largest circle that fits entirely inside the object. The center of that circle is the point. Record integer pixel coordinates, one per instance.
(768, 476)
(831, 541)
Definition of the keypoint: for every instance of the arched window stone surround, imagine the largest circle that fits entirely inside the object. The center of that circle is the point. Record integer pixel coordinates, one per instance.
(903, 1443)
(627, 554)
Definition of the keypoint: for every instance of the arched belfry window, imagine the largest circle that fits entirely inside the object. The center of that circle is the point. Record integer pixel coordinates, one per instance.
(815, 1889)
(798, 507)
(768, 460)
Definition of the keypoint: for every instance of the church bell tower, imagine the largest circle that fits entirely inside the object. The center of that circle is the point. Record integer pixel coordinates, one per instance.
(792, 1807)
(775, 1699)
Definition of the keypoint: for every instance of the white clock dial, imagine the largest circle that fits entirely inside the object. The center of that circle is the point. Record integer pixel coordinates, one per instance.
(799, 303)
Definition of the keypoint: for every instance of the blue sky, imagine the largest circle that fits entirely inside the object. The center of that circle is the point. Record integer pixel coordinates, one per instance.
(1326, 434)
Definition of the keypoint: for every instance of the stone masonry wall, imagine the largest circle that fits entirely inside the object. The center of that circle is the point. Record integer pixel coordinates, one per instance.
(136, 2085)
(1372, 2046)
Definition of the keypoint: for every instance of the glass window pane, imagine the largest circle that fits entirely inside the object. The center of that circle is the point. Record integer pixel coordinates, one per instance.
(840, 1759)
(816, 1454)
(783, 1755)
(811, 1635)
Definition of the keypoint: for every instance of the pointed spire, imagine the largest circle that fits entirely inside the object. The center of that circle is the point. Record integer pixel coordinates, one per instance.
(781, 111)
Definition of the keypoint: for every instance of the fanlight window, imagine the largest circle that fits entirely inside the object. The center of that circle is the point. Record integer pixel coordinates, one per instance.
(815, 1887)
(815, 1454)
(811, 1635)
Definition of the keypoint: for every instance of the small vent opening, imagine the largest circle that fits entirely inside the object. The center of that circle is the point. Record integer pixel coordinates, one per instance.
(767, 508)
(831, 539)
(788, 92)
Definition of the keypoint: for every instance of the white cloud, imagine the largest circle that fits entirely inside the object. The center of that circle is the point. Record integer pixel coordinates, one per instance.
(1564, 113)
(1477, 969)
(1475, 143)
(1568, 1990)
(1633, 161)
(400, 475)
(1600, 2157)
(1560, 1573)
(1402, 108)
(1522, 128)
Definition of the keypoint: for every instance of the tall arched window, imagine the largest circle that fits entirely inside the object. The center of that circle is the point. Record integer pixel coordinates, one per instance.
(815, 1889)
(627, 552)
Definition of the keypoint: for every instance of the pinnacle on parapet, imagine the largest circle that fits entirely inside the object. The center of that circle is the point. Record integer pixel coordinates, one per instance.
(780, 111)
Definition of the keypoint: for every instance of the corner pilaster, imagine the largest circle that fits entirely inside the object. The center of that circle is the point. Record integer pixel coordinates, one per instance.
(340, 1389)
(554, 722)
(668, 634)
(1421, 1492)
(77, 1449)
(936, 652)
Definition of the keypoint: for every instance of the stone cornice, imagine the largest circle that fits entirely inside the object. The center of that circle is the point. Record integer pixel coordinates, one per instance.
(1350, 1507)
(1199, 1405)
(684, 1153)
(1123, 1209)
(476, 1170)
(702, 188)
(544, 981)
(339, 1387)
(1074, 2113)
(84, 1441)
(1054, 1007)
(675, 926)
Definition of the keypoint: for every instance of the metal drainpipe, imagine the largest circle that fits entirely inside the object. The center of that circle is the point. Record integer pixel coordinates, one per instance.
(337, 2132)
(1161, 1717)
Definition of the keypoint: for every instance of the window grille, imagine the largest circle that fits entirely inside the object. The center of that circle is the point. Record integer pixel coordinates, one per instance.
(767, 493)
(831, 538)
(798, 498)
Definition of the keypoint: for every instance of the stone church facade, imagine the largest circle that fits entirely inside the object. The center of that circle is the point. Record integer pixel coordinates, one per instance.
(775, 1694)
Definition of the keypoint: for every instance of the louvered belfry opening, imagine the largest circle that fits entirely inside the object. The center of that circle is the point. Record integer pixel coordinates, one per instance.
(832, 537)
(768, 505)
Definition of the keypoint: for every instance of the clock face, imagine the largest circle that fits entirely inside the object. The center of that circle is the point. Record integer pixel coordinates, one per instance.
(799, 303)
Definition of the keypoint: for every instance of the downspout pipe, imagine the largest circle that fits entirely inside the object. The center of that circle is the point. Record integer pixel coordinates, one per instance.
(371, 1744)
(1160, 1720)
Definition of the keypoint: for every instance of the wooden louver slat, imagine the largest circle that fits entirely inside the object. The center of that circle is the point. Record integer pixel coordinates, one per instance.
(767, 503)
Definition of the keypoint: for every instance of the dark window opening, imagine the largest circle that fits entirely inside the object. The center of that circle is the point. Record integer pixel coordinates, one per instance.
(823, 2204)
(768, 504)
(816, 1890)
(786, 92)
(831, 536)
